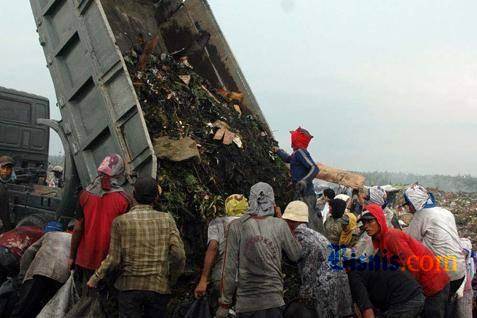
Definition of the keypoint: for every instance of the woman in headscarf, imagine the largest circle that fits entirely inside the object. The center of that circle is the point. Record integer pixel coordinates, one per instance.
(323, 288)
(378, 196)
(99, 204)
(348, 235)
(235, 206)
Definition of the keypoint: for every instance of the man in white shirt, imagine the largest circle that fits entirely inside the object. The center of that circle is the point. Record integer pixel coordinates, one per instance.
(435, 227)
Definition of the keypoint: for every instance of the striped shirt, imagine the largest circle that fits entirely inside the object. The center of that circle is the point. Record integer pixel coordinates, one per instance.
(147, 248)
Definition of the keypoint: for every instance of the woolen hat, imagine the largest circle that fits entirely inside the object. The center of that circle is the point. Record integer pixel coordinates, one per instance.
(296, 211)
(6, 161)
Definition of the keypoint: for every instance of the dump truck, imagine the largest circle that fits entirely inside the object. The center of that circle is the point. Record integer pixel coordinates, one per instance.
(84, 42)
(27, 142)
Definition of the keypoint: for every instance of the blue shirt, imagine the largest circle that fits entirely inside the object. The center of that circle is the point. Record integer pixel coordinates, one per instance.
(302, 166)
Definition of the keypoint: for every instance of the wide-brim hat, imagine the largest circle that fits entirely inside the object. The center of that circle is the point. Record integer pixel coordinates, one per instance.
(296, 211)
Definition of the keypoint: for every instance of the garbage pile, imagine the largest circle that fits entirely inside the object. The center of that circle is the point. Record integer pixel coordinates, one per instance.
(208, 144)
(464, 207)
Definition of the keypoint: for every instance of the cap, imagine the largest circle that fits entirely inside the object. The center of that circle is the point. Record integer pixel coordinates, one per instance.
(366, 216)
(6, 161)
(343, 197)
(296, 211)
(57, 169)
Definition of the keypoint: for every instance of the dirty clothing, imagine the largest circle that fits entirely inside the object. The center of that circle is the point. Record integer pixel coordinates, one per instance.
(98, 213)
(302, 166)
(328, 288)
(140, 303)
(382, 288)
(436, 228)
(19, 239)
(435, 305)
(253, 256)
(349, 227)
(5, 207)
(47, 257)
(403, 250)
(333, 229)
(146, 246)
(34, 295)
(216, 232)
(266, 313)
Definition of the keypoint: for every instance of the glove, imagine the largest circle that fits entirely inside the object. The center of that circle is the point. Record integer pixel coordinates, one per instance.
(300, 186)
(222, 312)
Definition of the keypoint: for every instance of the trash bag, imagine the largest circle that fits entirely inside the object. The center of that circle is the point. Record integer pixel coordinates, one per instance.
(62, 302)
(87, 307)
(8, 296)
(199, 309)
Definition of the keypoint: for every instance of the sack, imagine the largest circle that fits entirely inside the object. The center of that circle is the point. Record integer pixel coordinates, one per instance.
(199, 309)
(62, 302)
(87, 307)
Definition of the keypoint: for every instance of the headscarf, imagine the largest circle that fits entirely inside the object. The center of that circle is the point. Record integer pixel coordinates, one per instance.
(378, 196)
(417, 196)
(300, 138)
(261, 200)
(235, 205)
(110, 176)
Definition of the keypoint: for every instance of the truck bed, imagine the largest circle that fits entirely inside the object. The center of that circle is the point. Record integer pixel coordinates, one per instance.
(84, 42)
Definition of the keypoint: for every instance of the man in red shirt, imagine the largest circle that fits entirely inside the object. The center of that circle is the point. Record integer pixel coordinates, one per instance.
(401, 249)
(99, 204)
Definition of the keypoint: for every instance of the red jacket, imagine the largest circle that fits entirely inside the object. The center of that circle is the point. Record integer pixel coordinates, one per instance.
(409, 254)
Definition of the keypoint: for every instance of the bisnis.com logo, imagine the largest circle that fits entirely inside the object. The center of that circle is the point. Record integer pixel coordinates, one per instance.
(341, 258)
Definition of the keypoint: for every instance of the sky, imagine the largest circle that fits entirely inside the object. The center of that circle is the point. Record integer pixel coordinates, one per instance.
(382, 85)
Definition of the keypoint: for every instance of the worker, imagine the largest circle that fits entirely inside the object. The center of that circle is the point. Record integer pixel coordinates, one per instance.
(328, 195)
(146, 246)
(12, 246)
(7, 175)
(335, 222)
(392, 293)
(303, 171)
(404, 251)
(235, 206)
(324, 289)
(99, 204)
(435, 227)
(56, 181)
(253, 255)
(348, 235)
(378, 196)
(43, 270)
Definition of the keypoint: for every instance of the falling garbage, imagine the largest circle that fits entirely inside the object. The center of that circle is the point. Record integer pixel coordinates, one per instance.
(188, 119)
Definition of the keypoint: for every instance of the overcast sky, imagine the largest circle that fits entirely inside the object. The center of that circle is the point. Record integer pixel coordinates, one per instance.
(382, 85)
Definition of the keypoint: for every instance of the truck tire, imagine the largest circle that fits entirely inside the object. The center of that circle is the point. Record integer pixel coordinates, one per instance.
(39, 220)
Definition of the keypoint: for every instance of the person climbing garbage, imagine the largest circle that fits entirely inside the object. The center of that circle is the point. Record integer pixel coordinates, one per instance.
(303, 170)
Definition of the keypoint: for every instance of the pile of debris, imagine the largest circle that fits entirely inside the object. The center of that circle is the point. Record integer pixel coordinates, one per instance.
(464, 207)
(208, 144)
